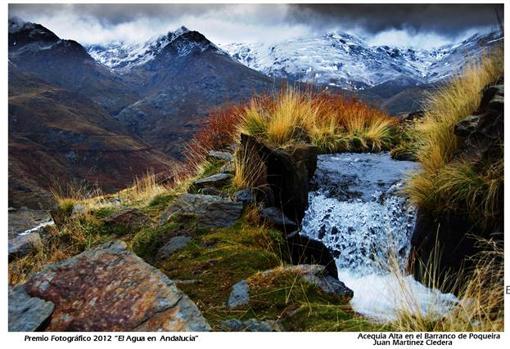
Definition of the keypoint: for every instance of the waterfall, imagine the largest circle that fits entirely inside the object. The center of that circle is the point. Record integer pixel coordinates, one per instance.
(357, 210)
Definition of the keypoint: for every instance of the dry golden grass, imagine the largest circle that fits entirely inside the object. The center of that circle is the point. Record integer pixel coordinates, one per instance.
(333, 123)
(441, 182)
(480, 295)
(249, 169)
(143, 190)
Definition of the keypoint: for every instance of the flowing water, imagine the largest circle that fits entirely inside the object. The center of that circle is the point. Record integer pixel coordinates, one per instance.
(357, 210)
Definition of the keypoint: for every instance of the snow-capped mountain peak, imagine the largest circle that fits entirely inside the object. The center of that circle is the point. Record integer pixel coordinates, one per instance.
(122, 56)
(348, 61)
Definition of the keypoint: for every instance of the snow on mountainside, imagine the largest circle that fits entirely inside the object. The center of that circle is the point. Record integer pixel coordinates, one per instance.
(347, 61)
(122, 57)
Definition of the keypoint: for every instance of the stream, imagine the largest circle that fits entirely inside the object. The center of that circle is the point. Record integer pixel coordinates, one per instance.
(357, 210)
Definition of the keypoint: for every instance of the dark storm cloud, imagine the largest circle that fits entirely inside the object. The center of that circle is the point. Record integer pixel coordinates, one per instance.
(403, 24)
(449, 19)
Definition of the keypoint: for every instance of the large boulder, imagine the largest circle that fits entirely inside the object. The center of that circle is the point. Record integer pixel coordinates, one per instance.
(305, 250)
(482, 135)
(109, 288)
(207, 210)
(289, 171)
(27, 314)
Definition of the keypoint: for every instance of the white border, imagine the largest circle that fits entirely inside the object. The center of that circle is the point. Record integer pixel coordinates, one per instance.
(215, 339)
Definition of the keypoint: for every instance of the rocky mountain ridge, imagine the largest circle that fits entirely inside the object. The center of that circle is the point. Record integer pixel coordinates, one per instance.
(347, 61)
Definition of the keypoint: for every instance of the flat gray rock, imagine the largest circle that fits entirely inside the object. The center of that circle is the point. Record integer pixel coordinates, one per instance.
(22, 245)
(244, 196)
(216, 181)
(174, 244)
(208, 210)
(219, 155)
(27, 314)
(240, 295)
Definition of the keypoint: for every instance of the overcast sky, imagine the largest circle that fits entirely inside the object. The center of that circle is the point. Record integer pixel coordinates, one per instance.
(406, 25)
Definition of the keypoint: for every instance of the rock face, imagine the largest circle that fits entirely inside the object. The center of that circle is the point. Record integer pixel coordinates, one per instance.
(110, 289)
(23, 245)
(240, 295)
(27, 314)
(482, 134)
(289, 172)
(207, 210)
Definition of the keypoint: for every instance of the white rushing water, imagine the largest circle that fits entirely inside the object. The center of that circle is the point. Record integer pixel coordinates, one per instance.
(37, 228)
(358, 212)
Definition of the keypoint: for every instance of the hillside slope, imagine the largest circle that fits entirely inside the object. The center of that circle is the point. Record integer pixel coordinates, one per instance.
(58, 137)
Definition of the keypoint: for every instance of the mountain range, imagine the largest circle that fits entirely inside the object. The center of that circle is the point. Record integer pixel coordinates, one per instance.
(347, 61)
(104, 114)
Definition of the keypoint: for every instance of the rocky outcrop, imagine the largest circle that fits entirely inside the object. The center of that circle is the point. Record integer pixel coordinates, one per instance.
(207, 210)
(452, 237)
(27, 314)
(289, 171)
(110, 289)
(482, 135)
(22, 245)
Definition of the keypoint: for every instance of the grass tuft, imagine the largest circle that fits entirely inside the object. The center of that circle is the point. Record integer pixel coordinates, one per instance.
(447, 182)
(480, 295)
(333, 123)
